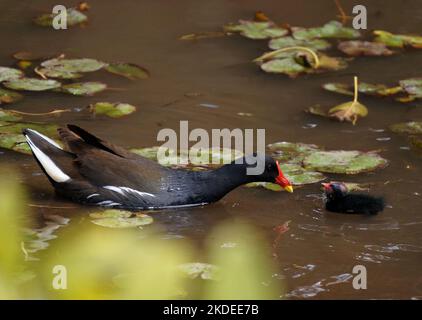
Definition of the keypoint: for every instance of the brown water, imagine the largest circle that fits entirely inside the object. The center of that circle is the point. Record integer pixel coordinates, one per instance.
(319, 251)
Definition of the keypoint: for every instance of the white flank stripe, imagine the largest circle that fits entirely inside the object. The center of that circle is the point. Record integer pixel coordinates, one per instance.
(54, 143)
(49, 166)
(93, 195)
(108, 203)
(123, 190)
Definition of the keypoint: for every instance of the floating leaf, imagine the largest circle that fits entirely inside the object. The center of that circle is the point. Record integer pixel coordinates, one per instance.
(12, 141)
(288, 66)
(332, 29)
(57, 73)
(9, 74)
(291, 152)
(6, 115)
(364, 48)
(412, 86)
(83, 88)
(365, 88)
(128, 70)
(397, 40)
(257, 30)
(74, 17)
(341, 88)
(32, 84)
(201, 270)
(7, 96)
(317, 110)
(111, 213)
(26, 56)
(265, 185)
(203, 35)
(122, 222)
(149, 152)
(47, 129)
(346, 162)
(74, 65)
(300, 176)
(285, 42)
(412, 127)
(113, 110)
(349, 111)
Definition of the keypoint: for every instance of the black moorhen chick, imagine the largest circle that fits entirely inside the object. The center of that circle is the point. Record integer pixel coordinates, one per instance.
(338, 199)
(96, 172)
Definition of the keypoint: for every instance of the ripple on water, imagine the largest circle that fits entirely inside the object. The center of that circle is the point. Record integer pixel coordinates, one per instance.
(374, 258)
(393, 248)
(387, 225)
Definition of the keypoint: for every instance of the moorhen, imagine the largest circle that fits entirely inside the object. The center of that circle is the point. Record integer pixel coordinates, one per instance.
(96, 172)
(338, 199)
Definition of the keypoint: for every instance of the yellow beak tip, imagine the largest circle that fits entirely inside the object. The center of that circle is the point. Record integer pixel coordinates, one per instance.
(289, 189)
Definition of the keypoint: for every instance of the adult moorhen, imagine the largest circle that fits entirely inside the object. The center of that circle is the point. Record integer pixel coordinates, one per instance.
(96, 172)
(338, 199)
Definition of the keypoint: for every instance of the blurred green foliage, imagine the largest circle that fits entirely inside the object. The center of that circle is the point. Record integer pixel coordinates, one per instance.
(104, 263)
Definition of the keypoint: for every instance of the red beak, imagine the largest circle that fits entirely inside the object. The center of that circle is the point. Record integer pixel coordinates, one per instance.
(327, 186)
(282, 181)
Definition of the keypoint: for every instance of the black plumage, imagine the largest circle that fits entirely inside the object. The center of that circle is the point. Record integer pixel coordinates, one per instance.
(96, 172)
(338, 199)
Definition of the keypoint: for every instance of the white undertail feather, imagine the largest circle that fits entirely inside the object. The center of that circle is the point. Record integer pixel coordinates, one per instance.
(52, 170)
(126, 190)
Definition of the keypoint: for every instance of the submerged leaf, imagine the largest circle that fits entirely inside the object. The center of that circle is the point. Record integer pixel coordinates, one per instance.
(195, 270)
(364, 48)
(7, 96)
(10, 74)
(113, 110)
(347, 162)
(332, 29)
(123, 222)
(111, 213)
(397, 40)
(412, 127)
(74, 17)
(128, 70)
(285, 42)
(83, 88)
(257, 30)
(32, 84)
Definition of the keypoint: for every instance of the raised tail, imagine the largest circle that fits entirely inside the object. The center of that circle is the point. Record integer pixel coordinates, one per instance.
(53, 160)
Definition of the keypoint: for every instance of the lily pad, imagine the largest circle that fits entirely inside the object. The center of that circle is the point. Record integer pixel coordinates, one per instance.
(345, 162)
(365, 88)
(412, 127)
(341, 88)
(15, 142)
(257, 30)
(7, 96)
(349, 111)
(398, 40)
(26, 55)
(74, 65)
(128, 70)
(291, 152)
(332, 29)
(113, 110)
(83, 88)
(47, 129)
(364, 48)
(288, 66)
(195, 270)
(10, 74)
(286, 42)
(123, 223)
(74, 17)
(57, 73)
(111, 213)
(6, 115)
(412, 86)
(32, 84)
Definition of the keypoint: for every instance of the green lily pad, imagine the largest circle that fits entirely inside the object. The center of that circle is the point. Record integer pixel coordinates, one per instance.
(83, 88)
(412, 127)
(346, 162)
(365, 88)
(412, 86)
(364, 48)
(128, 70)
(31, 84)
(74, 65)
(57, 73)
(341, 88)
(332, 29)
(301, 176)
(257, 30)
(47, 129)
(288, 66)
(122, 222)
(287, 42)
(195, 270)
(291, 152)
(416, 142)
(397, 40)
(7, 96)
(349, 111)
(74, 17)
(111, 213)
(352, 186)
(113, 110)
(26, 56)
(10, 74)
(6, 115)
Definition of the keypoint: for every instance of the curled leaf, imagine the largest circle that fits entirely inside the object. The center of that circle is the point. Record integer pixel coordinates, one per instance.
(128, 70)
(398, 40)
(349, 111)
(113, 110)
